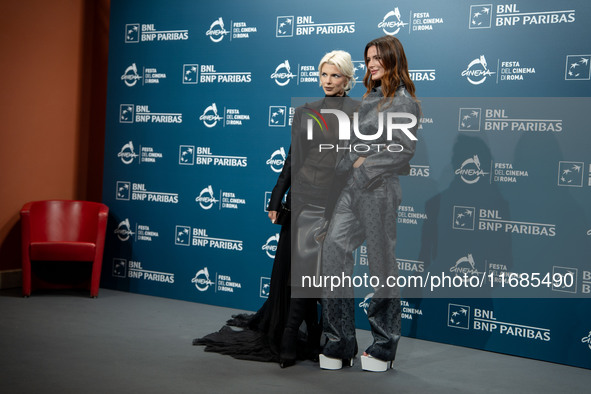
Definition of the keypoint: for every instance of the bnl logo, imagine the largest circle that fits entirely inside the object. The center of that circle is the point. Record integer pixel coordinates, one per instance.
(458, 316)
(182, 235)
(359, 70)
(123, 191)
(578, 67)
(119, 268)
(190, 74)
(132, 33)
(463, 218)
(267, 201)
(277, 115)
(480, 16)
(265, 287)
(570, 173)
(284, 26)
(186, 155)
(126, 112)
(564, 279)
(469, 119)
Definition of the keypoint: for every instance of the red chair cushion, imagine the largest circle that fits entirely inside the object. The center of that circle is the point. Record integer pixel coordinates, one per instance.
(63, 251)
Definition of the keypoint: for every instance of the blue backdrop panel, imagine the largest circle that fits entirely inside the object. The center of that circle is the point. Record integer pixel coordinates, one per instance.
(199, 110)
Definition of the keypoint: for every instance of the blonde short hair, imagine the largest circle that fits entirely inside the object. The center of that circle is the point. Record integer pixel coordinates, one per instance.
(342, 61)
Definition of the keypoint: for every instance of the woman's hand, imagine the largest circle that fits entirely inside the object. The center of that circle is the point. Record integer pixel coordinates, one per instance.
(273, 216)
(358, 162)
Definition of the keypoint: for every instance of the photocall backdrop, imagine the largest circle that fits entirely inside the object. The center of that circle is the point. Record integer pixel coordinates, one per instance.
(199, 110)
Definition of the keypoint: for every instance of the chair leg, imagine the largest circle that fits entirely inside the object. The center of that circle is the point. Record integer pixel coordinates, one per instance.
(95, 278)
(26, 276)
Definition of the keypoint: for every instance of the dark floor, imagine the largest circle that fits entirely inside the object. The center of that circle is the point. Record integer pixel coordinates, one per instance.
(66, 342)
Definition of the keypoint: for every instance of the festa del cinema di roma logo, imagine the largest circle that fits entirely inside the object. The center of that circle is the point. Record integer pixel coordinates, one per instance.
(345, 129)
(477, 71)
(587, 340)
(201, 280)
(392, 22)
(277, 160)
(217, 31)
(283, 74)
(206, 198)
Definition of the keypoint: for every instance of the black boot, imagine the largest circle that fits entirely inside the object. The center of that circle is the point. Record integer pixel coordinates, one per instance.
(314, 331)
(298, 311)
(288, 353)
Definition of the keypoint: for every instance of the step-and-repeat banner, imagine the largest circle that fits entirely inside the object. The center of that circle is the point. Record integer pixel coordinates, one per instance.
(495, 223)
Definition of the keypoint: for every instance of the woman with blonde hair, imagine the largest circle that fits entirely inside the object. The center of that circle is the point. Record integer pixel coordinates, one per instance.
(274, 333)
(312, 194)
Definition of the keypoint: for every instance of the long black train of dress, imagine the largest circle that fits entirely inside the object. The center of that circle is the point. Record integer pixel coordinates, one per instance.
(258, 336)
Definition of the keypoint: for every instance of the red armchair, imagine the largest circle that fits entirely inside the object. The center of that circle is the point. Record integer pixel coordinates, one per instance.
(63, 230)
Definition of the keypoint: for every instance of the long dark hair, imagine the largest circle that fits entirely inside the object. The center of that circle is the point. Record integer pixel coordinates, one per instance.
(395, 66)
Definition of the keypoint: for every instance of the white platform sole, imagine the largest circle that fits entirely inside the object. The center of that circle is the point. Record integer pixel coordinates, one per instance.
(332, 363)
(369, 363)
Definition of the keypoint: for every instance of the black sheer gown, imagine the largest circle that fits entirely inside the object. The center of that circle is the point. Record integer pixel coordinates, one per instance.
(258, 336)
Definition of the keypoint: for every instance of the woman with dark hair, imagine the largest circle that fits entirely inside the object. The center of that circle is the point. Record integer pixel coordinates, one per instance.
(366, 209)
